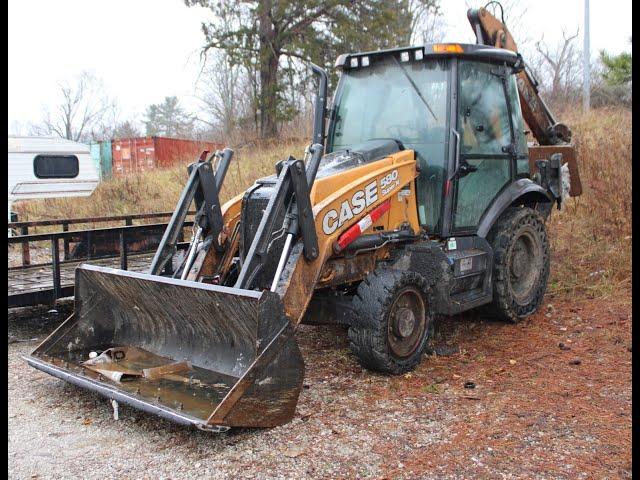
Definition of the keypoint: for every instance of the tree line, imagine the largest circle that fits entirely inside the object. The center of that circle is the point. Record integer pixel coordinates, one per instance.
(254, 81)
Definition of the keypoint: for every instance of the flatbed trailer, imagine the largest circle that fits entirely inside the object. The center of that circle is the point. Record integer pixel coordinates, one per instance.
(43, 282)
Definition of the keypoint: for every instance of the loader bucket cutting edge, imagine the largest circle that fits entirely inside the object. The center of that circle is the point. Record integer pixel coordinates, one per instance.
(197, 354)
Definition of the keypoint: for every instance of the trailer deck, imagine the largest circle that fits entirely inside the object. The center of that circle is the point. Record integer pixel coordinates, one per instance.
(34, 284)
(127, 247)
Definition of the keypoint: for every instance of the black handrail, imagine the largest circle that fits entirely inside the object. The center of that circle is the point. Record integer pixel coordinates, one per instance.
(71, 221)
(71, 234)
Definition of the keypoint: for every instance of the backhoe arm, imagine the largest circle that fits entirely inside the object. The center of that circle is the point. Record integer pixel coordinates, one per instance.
(493, 32)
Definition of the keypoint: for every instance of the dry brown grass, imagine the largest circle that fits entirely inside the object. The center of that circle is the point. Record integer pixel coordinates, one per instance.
(158, 191)
(591, 236)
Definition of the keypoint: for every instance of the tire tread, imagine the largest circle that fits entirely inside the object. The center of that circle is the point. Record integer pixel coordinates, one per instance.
(368, 330)
(501, 237)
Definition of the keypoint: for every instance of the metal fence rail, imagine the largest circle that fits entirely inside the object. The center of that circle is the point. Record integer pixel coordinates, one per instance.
(43, 283)
(23, 227)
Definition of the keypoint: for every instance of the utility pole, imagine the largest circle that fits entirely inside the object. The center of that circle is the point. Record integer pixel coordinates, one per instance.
(586, 60)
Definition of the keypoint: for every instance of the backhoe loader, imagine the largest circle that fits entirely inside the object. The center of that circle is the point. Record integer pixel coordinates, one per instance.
(419, 195)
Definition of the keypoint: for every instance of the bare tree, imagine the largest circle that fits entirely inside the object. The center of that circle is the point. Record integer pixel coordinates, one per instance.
(425, 21)
(431, 27)
(104, 129)
(559, 69)
(80, 112)
(224, 92)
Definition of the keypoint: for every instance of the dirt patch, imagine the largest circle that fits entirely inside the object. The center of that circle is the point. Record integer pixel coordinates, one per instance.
(502, 401)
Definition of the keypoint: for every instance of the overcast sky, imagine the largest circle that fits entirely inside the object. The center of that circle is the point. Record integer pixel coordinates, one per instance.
(145, 50)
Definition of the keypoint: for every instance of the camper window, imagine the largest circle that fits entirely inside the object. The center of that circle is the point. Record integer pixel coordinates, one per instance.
(56, 166)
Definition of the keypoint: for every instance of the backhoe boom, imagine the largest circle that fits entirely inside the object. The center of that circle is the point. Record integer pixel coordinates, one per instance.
(493, 32)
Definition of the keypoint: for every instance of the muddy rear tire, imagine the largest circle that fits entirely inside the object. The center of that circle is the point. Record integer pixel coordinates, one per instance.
(520, 265)
(392, 322)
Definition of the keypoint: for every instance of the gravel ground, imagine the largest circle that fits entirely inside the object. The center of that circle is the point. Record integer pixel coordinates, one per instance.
(538, 409)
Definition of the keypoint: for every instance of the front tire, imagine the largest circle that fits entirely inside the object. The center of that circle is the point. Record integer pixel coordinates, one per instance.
(521, 263)
(393, 321)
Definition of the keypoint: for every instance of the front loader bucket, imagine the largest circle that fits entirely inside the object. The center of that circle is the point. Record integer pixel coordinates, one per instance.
(194, 353)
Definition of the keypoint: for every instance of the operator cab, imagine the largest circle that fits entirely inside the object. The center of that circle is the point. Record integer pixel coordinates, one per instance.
(455, 105)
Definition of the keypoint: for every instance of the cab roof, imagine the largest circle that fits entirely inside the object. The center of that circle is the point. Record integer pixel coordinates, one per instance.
(486, 53)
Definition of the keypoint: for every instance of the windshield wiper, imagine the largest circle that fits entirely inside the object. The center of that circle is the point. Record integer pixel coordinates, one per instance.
(415, 87)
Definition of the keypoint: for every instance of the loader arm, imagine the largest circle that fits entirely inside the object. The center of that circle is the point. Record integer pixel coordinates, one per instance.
(491, 31)
(211, 266)
(331, 198)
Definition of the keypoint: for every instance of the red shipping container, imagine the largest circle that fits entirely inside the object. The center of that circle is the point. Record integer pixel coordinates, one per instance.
(147, 153)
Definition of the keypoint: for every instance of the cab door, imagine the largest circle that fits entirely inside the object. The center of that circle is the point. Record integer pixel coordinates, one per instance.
(485, 137)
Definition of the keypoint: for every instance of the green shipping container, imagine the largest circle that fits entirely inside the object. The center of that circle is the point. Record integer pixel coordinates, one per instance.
(106, 159)
(95, 156)
(102, 158)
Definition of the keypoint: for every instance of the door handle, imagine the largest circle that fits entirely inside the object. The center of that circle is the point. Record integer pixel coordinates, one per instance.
(461, 169)
(465, 169)
(456, 163)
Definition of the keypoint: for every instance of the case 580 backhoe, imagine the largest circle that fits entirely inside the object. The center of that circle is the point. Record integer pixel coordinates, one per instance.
(422, 197)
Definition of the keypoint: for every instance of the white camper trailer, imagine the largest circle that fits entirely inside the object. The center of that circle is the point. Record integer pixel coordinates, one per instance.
(43, 167)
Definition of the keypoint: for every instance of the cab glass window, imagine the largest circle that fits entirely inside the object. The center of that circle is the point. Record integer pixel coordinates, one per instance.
(405, 101)
(483, 118)
(484, 127)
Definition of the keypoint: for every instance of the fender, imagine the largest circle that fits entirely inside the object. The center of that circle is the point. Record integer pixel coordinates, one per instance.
(516, 190)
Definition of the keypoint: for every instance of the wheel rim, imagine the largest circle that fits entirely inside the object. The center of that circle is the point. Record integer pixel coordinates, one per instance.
(407, 322)
(525, 266)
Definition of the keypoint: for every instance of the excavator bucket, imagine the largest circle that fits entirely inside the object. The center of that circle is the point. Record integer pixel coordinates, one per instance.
(198, 354)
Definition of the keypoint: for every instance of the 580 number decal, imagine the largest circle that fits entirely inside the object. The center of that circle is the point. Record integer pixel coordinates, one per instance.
(389, 182)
